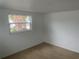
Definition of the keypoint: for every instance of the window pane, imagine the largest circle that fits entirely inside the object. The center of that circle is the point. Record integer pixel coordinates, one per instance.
(29, 19)
(28, 26)
(12, 28)
(19, 19)
(20, 23)
(19, 27)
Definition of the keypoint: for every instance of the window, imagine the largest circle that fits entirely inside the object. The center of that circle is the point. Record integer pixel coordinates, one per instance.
(18, 23)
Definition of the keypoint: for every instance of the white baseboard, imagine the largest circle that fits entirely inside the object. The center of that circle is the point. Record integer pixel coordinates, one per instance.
(61, 46)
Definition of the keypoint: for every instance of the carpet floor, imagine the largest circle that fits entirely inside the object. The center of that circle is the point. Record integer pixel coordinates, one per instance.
(44, 51)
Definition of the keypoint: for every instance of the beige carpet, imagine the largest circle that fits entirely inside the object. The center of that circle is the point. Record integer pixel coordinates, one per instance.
(44, 51)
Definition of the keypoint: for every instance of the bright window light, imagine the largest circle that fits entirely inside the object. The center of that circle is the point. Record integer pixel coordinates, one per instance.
(20, 23)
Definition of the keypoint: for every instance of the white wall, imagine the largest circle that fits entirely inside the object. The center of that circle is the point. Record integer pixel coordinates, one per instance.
(12, 43)
(62, 29)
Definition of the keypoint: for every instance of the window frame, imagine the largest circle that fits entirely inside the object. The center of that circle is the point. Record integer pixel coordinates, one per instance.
(19, 23)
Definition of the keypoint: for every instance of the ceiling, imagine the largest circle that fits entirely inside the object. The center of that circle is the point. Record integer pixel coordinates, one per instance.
(42, 6)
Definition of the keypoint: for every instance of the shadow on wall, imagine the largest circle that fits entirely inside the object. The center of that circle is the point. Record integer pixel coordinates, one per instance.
(2, 47)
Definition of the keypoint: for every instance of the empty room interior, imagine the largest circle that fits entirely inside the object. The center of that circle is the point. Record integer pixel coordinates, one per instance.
(39, 29)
